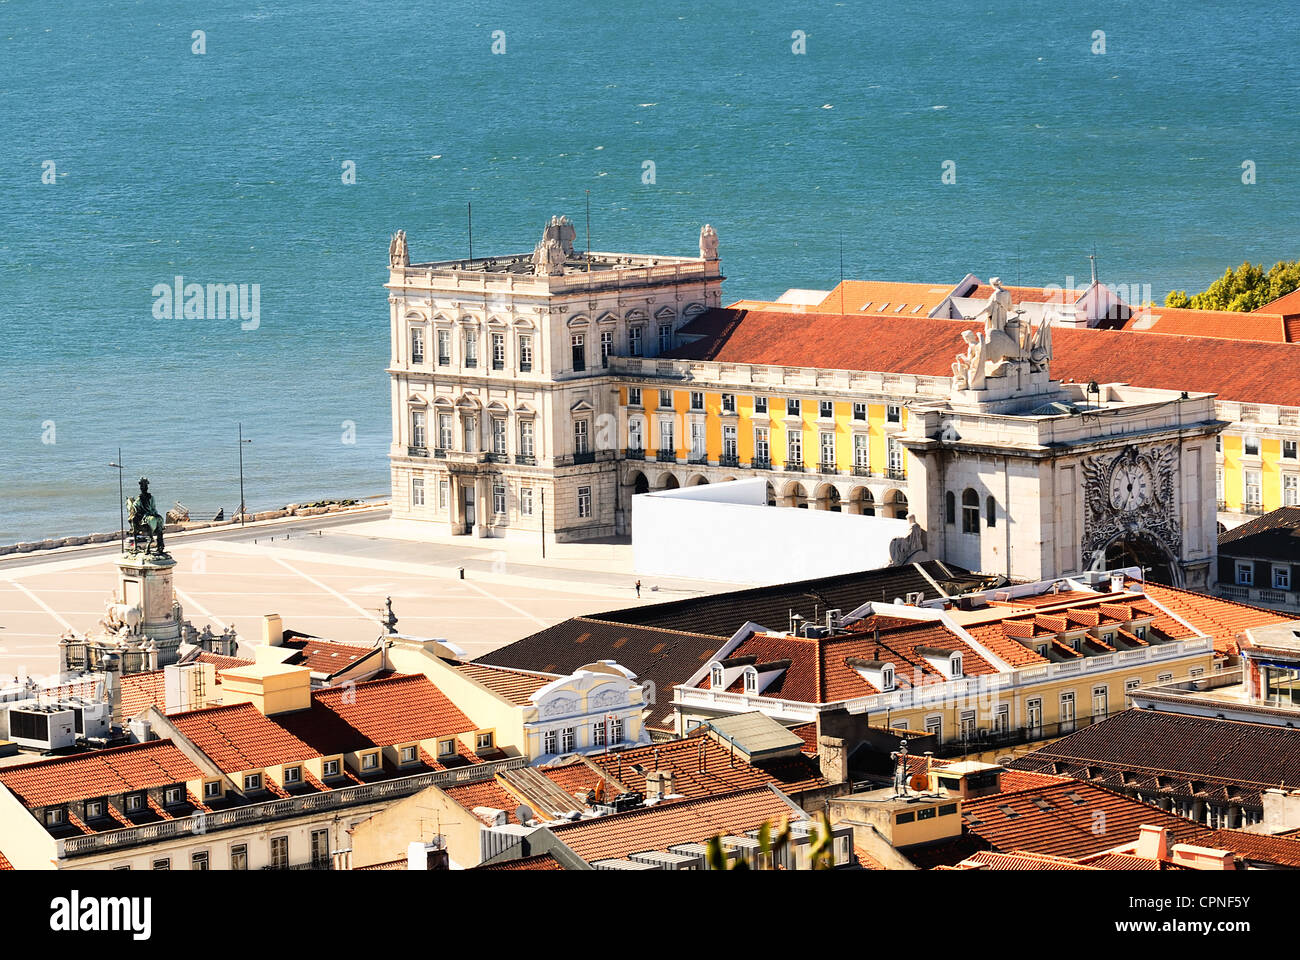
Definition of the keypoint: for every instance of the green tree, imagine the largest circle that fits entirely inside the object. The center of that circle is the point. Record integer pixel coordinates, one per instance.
(821, 851)
(1242, 290)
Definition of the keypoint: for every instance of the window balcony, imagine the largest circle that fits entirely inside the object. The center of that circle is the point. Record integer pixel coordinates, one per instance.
(470, 363)
(896, 473)
(698, 458)
(1253, 509)
(828, 466)
(525, 366)
(862, 470)
(525, 460)
(760, 463)
(729, 460)
(495, 458)
(440, 453)
(635, 453)
(417, 451)
(666, 456)
(587, 456)
(794, 466)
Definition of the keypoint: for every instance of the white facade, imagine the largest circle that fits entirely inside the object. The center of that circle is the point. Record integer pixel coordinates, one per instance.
(726, 531)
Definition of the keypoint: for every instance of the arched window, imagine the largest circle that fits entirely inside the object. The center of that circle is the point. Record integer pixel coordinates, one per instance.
(715, 677)
(955, 665)
(751, 680)
(951, 502)
(887, 677)
(991, 511)
(970, 511)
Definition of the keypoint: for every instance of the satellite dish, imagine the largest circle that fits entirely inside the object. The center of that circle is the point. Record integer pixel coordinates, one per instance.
(524, 813)
(919, 781)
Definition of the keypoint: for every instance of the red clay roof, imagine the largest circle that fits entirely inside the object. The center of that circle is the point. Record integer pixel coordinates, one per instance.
(484, 793)
(1216, 617)
(1283, 851)
(140, 691)
(1219, 324)
(220, 662)
(543, 862)
(4, 863)
(659, 827)
(395, 710)
(513, 685)
(325, 656)
(1240, 370)
(1016, 860)
(702, 767)
(1288, 305)
(140, 766)
(238, 737)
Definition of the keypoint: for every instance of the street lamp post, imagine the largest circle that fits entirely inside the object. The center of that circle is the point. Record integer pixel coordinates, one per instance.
(121, 500)
(242, 507)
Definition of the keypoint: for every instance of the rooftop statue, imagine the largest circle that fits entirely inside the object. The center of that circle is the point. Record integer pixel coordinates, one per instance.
(555, 247)
(397, 252)
(708, 243)
(145, 520)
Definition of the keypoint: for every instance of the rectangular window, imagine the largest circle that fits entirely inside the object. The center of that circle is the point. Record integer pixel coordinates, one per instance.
(1100, 698)
(470, 431)
(483, 741)
(499, 436)
(212, 790)
(320, 848)
(498, 351)
(665, 398)
(417, 345)
(1034, 714)
(525, 438)
(239, 856)
(615, 730)
(1067, 710)
(417, 491)
(665, 337)
(666, 446)
(279, 853)
(697, 400)
(580, 436)
(1218, 484)
(828, 450)
(447, 748)
(760, 404)
(967, 724)
(934, 725)
(55, 817)
(1282, 578)
(330, 768)
(634, 341)
(252, 781)
(444, 348)
(606, 347)
(697, 441)
(549, 742)
(567, 740)
(762, 453)
(584, 503)
(634, 439)
(1251, 446)
(1002, 718)
(418, 436)
(598, 733)
(526, 501)
(443, 491)
(793, 407)
(894, 450)
(634, 396)
(409, 754)
(859, 411)
(1245, 574)
(861, 450)
(728, 403)
(444, 431)
(1288, 449)
(199, 860)
(94, 809)
(1129, 686)
(134, 802)
(1290, 491)
(163, 863)
(292, 775)
(578, 348)
(826, 410)
(729, 442)
(369, 761)
(499, 499)
(794, 449)
(525, 353)
(471, 348)
(893, 413)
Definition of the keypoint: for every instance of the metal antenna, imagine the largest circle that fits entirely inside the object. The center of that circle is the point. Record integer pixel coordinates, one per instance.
(121, 499)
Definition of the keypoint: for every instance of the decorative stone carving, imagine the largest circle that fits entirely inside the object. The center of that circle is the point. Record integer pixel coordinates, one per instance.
(904, 549)
(555, 247)
(609, 698)
(559, 707)
(1130, 498)
(397, 252)
(708, 243)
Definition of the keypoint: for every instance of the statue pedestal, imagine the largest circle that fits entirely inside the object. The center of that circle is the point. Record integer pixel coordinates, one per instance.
(145, 581)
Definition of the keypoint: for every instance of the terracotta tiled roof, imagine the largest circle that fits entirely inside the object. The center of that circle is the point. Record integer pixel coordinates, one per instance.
(513, 685)
(238, 737)
(326, 656)
(1283, 851)
(484, 793)
(865, 860)
(1017, 860)
(1216, 617)
(402, 864)
(807, 732)
(399, 709)
(1241, 370)
(702, 767)
(220, 662)
(852, 296)
(543, 862)
(4, 863)
(140, 691)
(659, 827)
(1060, 819)
(1219, 324)
(1123, 861)
(140, 766)
(1288, 305)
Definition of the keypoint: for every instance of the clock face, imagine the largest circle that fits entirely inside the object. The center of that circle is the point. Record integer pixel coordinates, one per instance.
(1130, 487)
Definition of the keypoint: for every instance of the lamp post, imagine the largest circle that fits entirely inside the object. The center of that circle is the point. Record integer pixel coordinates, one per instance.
(121, 500)
(242, 441)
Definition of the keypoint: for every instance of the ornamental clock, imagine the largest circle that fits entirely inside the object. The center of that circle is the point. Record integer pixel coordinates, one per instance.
(1131, 484)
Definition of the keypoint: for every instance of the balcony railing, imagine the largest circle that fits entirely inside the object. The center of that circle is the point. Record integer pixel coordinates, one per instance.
(794, 466)
(495, 457)
(587, 456)
(698, 458)
(255, 814)
(828, 466)
(729, 460)
(634, 453)
(992, 739)
(760, 463)
(896, 473)
(417, 451)
(1254, 509)
(862, 470)
(525, 460)
(440, 453)
(666, 456)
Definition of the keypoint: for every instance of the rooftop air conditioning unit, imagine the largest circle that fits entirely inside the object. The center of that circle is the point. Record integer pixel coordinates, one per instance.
(37, 727)
(913, 599)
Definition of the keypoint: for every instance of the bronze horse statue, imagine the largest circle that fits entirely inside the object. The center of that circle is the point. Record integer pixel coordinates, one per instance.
(145, 520)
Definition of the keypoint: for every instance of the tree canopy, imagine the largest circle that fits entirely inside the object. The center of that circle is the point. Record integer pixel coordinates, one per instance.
(1245, 289)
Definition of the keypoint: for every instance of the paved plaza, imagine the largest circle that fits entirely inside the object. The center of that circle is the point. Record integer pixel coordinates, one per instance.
(330, 578)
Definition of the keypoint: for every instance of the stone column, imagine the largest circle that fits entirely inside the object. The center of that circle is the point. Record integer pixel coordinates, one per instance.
(482, 504)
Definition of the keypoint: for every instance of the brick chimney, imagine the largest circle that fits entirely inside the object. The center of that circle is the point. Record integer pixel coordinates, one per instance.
(833, 757)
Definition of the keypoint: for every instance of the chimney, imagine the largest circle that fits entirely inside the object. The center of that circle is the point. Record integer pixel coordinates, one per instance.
(271, 687)
(654, 785)
(833, 757)
(1153, 843)
(272, 630)
(1116, 583)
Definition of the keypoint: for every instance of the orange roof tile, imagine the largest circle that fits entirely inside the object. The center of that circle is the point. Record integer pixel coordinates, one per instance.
(543, 862)
(326, 656)
(702, 767)
(238, 737)
(484, 793)
(1213, 616)
(852, 296)
(513, 685)
(1218, 324)
(1283, 851)
(1287, 306)
(1017, 860)
(4, 863)
(139, 766)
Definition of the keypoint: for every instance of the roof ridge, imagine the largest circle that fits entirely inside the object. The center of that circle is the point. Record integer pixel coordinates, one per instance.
(675, 805)
(640, 626)
(88, 754)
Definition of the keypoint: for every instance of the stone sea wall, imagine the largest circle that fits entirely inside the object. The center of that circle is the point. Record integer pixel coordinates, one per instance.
(292, 510)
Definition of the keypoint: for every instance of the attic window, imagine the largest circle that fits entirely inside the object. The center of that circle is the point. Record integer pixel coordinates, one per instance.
(1042, 804)
(751, 680)
(1073, 797)
(955, 664)
(887, 677)
(715, 676)
(1008, 811)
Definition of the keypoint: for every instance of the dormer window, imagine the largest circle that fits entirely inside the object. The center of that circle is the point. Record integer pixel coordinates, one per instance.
(369, 761)
(483, 741)
(330, 768)
(133, 802)
(252, 781)
(292, 775)
(408, 754)
(56, 817)
(446, 748)
(715, 676)
(887, 677)
(954, 665)
(173, 796)
(212, 790)
(94, 809)
(751, 680)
